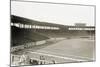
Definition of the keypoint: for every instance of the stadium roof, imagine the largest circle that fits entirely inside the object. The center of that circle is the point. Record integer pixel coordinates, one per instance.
(17, 19)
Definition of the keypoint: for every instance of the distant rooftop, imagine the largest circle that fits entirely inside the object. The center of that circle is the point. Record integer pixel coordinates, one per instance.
(80, 24)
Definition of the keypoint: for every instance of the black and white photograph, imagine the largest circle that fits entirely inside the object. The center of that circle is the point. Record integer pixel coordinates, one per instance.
(45, 33)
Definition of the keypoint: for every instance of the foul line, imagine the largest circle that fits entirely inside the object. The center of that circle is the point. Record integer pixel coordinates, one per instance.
(67, 58)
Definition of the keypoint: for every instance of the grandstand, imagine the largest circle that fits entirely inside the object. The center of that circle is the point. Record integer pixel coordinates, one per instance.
(26, 33)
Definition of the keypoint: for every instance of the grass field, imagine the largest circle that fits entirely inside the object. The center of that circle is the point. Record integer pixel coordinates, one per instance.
(67, 50)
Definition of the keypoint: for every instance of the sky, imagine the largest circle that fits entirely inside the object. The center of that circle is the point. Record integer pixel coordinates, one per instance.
(54, 13)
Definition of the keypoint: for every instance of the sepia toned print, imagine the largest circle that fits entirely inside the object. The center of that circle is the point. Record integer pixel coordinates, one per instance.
(51, 33)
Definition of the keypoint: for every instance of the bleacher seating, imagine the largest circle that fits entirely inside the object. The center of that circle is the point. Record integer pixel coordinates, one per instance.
(22, 36)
